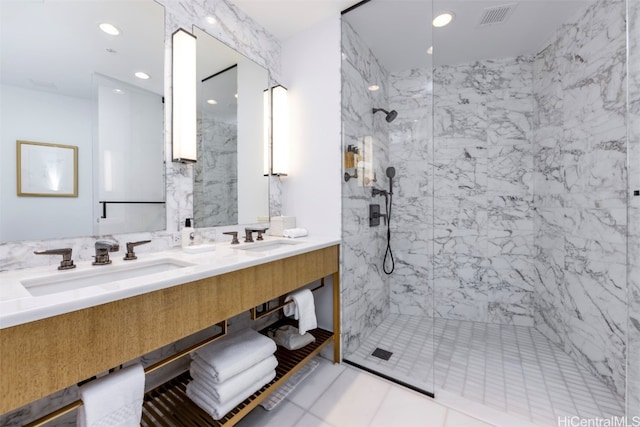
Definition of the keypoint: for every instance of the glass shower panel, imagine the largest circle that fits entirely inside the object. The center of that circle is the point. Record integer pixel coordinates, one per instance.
(387, 140)
(529, 150)
(633, 215)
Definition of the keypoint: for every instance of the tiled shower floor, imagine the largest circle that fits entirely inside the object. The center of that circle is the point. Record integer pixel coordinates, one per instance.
(505, 369)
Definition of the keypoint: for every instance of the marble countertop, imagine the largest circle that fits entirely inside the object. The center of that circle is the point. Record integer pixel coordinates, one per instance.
(18, 305)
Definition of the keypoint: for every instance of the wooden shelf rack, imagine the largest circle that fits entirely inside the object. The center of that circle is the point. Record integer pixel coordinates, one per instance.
(168, 405)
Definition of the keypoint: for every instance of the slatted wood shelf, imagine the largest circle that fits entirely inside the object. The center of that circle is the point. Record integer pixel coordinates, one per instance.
(169, 406)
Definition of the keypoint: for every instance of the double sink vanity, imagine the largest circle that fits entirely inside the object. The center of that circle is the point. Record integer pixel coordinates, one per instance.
(60, 327)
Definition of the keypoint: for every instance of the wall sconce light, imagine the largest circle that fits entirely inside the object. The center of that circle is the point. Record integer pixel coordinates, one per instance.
(184, 97)
(276, 131)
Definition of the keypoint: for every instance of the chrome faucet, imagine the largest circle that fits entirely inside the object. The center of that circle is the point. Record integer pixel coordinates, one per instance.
(66, 263)
(103, 247)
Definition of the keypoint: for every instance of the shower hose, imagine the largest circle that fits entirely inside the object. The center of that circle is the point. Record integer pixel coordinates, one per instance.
(388, 254)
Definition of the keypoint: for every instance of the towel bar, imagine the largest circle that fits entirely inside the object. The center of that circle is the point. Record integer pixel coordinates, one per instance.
(78, 403)
(254, 311)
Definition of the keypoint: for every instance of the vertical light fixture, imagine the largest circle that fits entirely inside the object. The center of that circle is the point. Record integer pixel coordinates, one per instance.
(279, 131)
(266, 108)
(184, 97)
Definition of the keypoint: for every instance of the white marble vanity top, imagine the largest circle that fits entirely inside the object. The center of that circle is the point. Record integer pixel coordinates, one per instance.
(18, 305)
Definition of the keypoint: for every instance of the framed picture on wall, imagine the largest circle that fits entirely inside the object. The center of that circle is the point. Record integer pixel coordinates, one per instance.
(46, 170)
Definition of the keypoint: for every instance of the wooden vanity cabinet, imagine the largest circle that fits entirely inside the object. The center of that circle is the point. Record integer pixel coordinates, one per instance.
(41, 357)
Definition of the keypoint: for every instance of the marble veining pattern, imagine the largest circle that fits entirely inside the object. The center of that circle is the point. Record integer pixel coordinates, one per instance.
(411, 147)
(215, 182)
(483, 190)
(365, 288)
(580, 186)
(633, 256)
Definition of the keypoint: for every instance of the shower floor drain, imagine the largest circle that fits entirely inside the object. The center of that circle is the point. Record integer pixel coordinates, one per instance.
(381, 354)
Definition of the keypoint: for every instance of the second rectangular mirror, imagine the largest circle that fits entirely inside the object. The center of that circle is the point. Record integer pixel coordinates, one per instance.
(229, 186)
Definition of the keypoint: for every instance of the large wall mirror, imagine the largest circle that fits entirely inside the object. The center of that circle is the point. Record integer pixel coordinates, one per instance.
(229, 184)
(65, 81)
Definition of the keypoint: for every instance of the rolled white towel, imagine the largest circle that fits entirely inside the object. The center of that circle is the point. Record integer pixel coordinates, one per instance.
(218, 410)
(114, 400)
(235, 385)
(303, 309)
(292, 233)
(233, 354)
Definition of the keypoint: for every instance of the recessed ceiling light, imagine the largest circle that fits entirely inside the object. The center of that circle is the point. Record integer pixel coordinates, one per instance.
(212, 101)
(430, 50)
(211, 20)
(118, 91)
(373, 88)
(443, 19)
(143, 76)
(109, 29)
(236, 95)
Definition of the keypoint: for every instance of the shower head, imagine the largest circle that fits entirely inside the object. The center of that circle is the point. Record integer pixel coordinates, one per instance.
(391, 115)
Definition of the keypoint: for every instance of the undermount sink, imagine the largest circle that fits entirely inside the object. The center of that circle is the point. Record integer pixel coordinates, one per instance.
(62, 281)
(268, 246)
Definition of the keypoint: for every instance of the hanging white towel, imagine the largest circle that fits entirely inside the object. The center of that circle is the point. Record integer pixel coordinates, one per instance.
(235, 353)
(218, 410)
(292, 233)
(114, 400)
(303, 310)
(235, 385)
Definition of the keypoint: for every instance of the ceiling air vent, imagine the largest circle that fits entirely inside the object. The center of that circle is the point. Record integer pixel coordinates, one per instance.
(496, 15)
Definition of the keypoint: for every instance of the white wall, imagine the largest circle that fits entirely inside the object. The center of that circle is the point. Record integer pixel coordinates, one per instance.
(253, 186)
(311, 73)
(37, 116)
(130, 163)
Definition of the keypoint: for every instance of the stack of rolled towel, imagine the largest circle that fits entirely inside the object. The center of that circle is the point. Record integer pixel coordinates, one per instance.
(231, 369)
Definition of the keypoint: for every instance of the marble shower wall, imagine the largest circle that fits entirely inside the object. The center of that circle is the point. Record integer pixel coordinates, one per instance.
(633, 256)
(365, 288)
(483, 194)
(411, 153)
(215, 176)
(580, 190)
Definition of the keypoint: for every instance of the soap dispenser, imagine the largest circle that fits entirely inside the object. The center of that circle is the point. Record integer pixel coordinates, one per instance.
(188, 233)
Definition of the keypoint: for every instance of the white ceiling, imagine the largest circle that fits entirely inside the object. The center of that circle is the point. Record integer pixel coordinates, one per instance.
(285, 18)
(56, 46)
(399, 31)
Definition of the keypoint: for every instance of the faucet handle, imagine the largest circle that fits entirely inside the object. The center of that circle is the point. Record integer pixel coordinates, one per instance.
(66, 263)
(260, 232)
(234, 240)
(130, 246)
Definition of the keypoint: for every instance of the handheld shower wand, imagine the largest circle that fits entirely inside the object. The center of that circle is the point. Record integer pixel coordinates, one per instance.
(388, 202)
(391, 173)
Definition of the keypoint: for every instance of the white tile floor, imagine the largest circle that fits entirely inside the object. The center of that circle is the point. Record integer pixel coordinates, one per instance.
(343, 396)
(507, 374)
